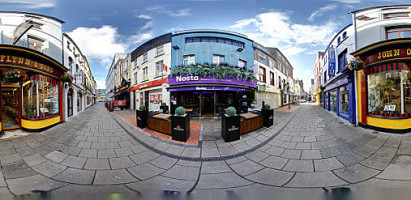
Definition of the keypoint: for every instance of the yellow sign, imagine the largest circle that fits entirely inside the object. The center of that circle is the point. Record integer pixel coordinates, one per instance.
(16, 60)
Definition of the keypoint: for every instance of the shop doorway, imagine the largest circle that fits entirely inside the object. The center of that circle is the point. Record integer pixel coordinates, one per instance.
(207, 104)
(70, 102)
(79, 102)
(10, 95)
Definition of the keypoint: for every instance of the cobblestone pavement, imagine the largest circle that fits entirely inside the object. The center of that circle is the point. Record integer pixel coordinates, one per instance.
(99, 153)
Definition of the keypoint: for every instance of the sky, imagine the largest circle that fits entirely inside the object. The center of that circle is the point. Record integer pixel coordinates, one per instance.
(101, 28)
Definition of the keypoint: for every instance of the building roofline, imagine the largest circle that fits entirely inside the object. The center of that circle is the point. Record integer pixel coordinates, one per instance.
(335, 36)
(282, 56)
(30, 13)
(375, 7)
(72, 41)
(212, 31)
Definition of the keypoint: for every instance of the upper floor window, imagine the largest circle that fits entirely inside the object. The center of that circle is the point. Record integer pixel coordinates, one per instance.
(325, 76)
(398, 32)
(159, 68)
(160, 50)
(189, 60)
(215, 40)
(68, 45)
(35, 43)
(261, 58)
(271, 63)
(339, 40)
(261, 73)
(272, 78)
(127, 64)
(36, 25)
(145, 57)
(242, 64)
(145, 73)
(397, 15)
(344, 35)
(70, 61)
(135, 78)
(342, 60)
(218, 59)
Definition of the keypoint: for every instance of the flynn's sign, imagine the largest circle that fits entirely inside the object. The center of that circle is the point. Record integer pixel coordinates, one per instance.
(388, 55)
(25, 62)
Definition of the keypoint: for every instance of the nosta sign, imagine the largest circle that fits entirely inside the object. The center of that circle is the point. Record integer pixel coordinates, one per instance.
(190, 79)
(186, 78)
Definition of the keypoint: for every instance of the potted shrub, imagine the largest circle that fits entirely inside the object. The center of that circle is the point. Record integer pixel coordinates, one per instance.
(141, 116)
(244, 107)
(180, 125)
(230, 130)
(268, 115)
(164, 107)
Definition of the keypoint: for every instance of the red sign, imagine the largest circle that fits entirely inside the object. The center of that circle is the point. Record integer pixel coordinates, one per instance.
(119, 103)
(149, 84)
(387, 55)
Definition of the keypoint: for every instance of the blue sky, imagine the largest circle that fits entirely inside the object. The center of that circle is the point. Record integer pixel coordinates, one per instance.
(101, 28)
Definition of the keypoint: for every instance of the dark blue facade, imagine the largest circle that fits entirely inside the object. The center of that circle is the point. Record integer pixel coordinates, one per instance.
(345, 82)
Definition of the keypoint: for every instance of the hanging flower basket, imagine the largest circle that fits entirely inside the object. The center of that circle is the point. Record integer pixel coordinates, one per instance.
(14, 76)
(67, 78)
(355, 64)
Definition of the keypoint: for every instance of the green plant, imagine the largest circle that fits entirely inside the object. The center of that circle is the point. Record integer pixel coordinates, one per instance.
(267, 107)
(14, 76)
(244, 104)
(67, 78)
(180, 111)
(29, 109)
(230, 111)
(142, 108)
(356, 64)
(163, 104)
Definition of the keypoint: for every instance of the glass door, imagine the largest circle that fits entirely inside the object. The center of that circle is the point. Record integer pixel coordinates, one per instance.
(10, 106)
(207, 106)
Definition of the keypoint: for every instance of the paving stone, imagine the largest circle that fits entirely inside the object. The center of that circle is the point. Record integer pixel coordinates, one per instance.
(174, 149)
(275, 151)
(386, 152)
(77, 176)
(144, 157)
(405, 148)
(112, 145)
(292, 154)
(74, 151)
(26, 185)
(25, 151)
(17, 171)
(167, 184)
(125, 151)
(327, 164)
(94, 192)
(257, 156)
(73, 161)
(11, 159)
(164, 162)
(210, 152)
(182, 172)
(211, 144)
(49, 168)
(34, 159)
(84, 145)
(214, 167)
(349, 158)
(274, 162)
(236, 160)
(145, 171)
(299, 166)
(221, 180)
(7, 151)
(109, 177)
(246, 167)
(125, 144)
(227, 150)
(97, 164)
(303, 146)
(398, 169)
(271, 177)
(56, 156)
(5, 194)
(356, 173)
(376, 162)
(2, 182)
(289, 145)
(191, 152)
(241, 147)
(311, 154)
(121, 162)
(98, 145)
(88, 153)
(315, 179)
(106, 153)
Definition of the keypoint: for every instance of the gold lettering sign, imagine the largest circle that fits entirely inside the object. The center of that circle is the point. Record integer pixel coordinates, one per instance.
(7, 59)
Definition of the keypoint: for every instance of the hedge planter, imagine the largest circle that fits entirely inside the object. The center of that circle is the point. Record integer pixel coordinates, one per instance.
(141, 116)
(268, 117)
(230, 128)
(180, 127)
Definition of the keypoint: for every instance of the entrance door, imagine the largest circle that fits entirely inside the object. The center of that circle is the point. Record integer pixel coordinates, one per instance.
(79, 102)
(207, 104)
(70, 102)
(10, 107)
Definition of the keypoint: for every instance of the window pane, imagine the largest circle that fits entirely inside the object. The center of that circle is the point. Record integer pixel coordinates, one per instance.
(344, 104)
(29, 99)
(406, 74)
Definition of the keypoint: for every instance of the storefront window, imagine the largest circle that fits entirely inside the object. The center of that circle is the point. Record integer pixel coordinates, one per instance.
(344, 104)
(333, 100)
(40, 97)
(389, 92)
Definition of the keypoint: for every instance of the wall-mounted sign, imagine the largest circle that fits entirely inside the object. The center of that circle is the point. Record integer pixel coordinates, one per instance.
(331, 61)
(388, 54)
(25, 62)
(149, 84)
(184, 79)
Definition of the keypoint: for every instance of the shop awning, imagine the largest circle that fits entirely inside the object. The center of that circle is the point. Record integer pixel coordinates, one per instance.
(206, 88)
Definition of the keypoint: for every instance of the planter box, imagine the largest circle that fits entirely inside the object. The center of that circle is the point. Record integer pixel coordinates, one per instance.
(268, 116)
(180, 127)
(230, 128)
(141, 118)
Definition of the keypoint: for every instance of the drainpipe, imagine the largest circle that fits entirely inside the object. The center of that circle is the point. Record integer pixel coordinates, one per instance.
(355, 73)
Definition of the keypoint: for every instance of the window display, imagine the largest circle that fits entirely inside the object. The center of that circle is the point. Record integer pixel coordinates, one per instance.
(389, 93)
(344, 104)
(333, 100)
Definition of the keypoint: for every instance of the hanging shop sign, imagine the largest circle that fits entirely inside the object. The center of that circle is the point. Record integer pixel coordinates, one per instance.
(149, 84)
(187, 79)
(331, 61)
(26, 62)
(388, 54)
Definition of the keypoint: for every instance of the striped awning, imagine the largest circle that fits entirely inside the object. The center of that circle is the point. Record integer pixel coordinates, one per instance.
(39, 77)
(388, 67)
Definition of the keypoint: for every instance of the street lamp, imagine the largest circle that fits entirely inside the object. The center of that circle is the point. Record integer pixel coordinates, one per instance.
(288, 91)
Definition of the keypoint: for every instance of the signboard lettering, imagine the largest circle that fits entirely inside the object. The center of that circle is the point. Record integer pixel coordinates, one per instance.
(388, 54)
(25, 62)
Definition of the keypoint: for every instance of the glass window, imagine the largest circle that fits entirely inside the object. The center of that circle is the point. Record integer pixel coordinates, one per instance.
(271, 64)
(262, 74)
(261, 58)
(145, 57)
(218, 59)
(272, 78)
(398, 32)
(242, 63)
(397, 15)
(188, 60)
(159, 68)
(389, 92)
(342, 60)
(35, 43)
(344, 35)
(145, 73)
(344, 104)
(160, 50)
(135, 77)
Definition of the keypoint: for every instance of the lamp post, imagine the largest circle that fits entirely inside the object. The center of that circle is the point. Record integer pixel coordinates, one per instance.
(288, 91)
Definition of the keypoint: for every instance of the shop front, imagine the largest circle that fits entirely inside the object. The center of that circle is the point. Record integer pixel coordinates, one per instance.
(31, 90)
(209, 96)
(384, 86)
(121, 93)
(150, 94)
(340, 96)
(267, 94)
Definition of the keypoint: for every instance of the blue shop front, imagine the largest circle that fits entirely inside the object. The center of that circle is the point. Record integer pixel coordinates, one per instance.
(339, 96)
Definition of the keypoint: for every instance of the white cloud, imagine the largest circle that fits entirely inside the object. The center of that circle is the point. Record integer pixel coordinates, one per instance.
(98, 43)
(135, 39)
(101, 84)
(172, 13)
(348, 1)
(30, 4)
(292, 50)
(276, 28)
(144, 17)
(321, 11)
